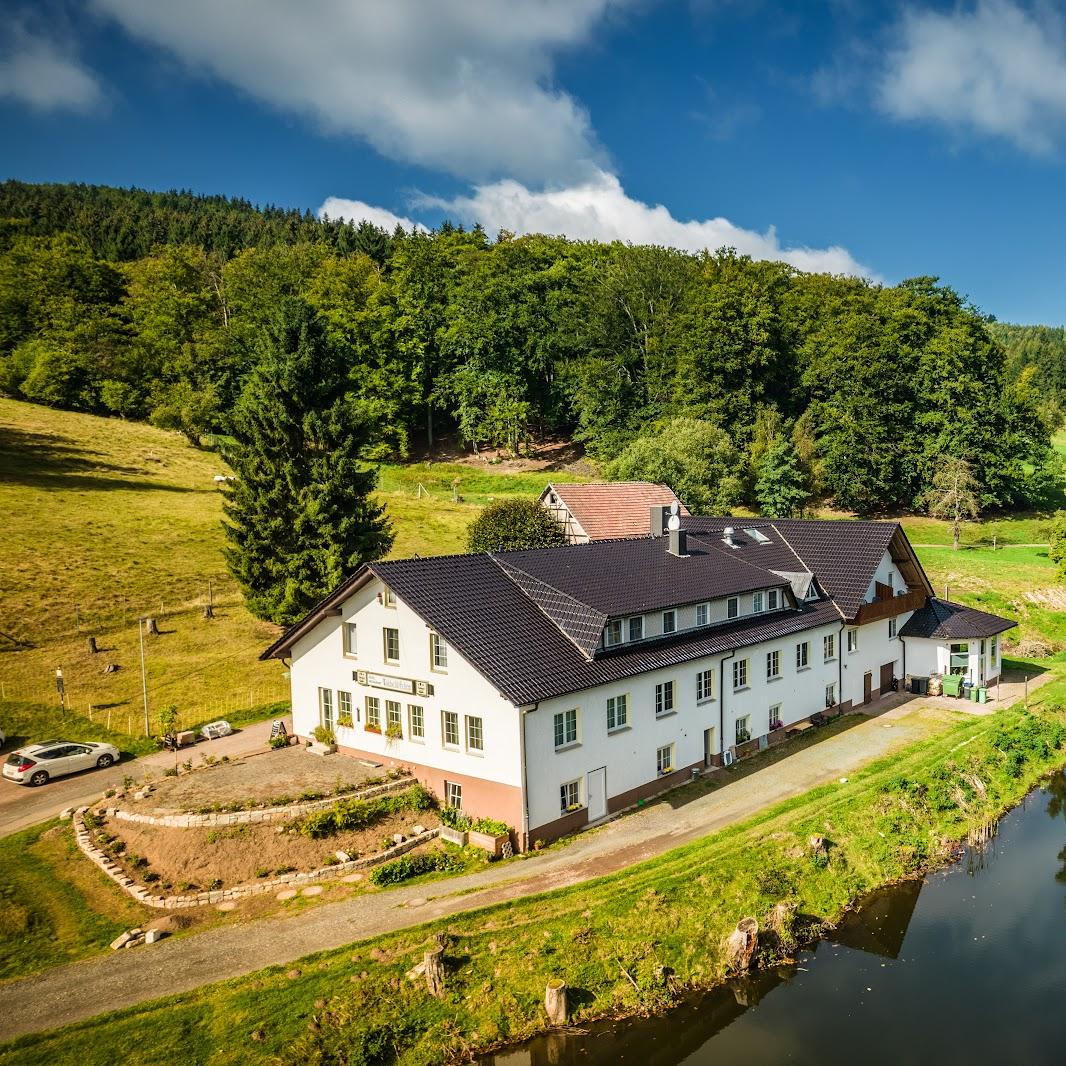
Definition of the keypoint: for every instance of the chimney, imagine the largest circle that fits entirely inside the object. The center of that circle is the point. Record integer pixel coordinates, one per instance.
(678, 543)
(658, 519)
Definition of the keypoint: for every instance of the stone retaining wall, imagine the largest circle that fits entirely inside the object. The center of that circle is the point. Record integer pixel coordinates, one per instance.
(267, 814)
(83, 836)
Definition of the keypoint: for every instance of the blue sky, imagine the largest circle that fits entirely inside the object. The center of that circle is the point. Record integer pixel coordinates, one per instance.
(891, 140)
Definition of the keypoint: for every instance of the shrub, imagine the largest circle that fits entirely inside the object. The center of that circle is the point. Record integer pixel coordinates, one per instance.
(346, 815)
(454, 818)
(514, 523)
(149, 876)
(324, 735)
(215, 885)
(408, 866)
(280, 741)
(490, 826)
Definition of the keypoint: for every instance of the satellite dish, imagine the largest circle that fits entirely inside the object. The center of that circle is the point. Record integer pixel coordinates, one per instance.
(674, 509)
(673, 523)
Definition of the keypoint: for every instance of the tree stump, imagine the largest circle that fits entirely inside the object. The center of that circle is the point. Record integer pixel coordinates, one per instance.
(111, 668)
(818, 845)
(742, 943)
(209, 611)
(91, 644)
(555, 1001)
(150, 627)
(434, 963)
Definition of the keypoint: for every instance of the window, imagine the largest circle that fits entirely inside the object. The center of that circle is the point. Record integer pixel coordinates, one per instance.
(450, 728)
(743, 733)
(664, 759)
(391, 638)
(812, 591)
(613, 632)
(803, 655)
(757, 602)
(960, 658)
(994, 652)
(351, 644)
(325, 708)
(636, 627)
(704, 686)
(732, 607)
(757, 536)
(393, 719)
(570, 797)
(664, 698)
(416, 722)
(387, 597)
(669, 621)
(891, 628)
(775, 716)
(740, 674)
(829, 647)
(772, 600)
(617, 712)
(773, 665)
(853, 640)
(453, 795)
(830, 695)
(566, 728)
(373, 713)
(703, 614)
(344, 708)
(475, 734)
(438, 652)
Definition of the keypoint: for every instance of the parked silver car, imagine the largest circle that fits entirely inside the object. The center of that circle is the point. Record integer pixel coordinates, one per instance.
(37, 764)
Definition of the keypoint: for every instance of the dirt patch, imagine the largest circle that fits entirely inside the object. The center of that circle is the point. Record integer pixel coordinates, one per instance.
(270, 778)
(547, 455)
(1055, 598)
(238, 854)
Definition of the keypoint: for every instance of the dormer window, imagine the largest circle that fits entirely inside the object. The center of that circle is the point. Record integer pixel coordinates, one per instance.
(613, 632)
(669, 621)
(732, 609)
(812, 592)
(636, 627)
(703, 614)
(757, 602)
(772, 600)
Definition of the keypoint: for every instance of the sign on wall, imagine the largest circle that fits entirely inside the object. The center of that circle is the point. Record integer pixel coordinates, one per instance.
(392, 684)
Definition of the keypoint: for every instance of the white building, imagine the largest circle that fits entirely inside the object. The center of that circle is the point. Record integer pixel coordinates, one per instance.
(552, 687)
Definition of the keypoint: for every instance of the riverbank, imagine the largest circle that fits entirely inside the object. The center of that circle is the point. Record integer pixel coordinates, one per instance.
(609, 938)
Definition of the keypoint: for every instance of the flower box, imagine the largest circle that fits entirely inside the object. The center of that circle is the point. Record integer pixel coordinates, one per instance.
(453, 836)
(489, 842)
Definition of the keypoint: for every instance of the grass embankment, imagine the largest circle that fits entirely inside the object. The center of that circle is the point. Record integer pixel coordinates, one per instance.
(606, 938)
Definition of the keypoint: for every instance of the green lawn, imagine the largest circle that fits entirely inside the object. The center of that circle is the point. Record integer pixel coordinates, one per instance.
(607, 939)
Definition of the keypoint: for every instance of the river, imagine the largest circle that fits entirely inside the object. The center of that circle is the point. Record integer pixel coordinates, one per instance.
(968, 966)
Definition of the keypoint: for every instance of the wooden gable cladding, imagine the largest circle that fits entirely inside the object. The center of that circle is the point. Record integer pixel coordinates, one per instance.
(913, 600)
(903, 556)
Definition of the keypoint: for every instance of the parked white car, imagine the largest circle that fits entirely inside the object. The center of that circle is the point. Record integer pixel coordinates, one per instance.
(214, 730)
(37, 764)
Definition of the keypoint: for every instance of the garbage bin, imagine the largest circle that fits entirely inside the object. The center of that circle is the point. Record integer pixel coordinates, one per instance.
(967, 690)
(920, 685)
(982, 695)
(952, 685)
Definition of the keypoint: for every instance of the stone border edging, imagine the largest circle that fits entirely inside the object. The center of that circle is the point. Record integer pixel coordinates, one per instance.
(267, 814)
(83, 838)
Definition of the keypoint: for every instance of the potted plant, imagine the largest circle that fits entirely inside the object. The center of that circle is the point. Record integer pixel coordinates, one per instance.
(489, 834)
(325, 742)
(393, 732)
(344, 720)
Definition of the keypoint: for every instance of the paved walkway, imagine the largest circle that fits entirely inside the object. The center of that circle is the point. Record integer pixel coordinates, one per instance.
(81, 990)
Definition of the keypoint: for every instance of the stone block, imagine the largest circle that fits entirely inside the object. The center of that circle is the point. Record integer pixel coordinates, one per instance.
(121, 941)
(398, 838)
(153, 935)
(417, 830)
(342, 856)
(66, 814)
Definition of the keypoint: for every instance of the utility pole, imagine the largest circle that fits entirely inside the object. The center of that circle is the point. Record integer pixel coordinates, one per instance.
(144, 677)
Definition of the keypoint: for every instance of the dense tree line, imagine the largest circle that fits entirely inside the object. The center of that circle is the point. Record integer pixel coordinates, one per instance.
(1041, 347)
(739, 381)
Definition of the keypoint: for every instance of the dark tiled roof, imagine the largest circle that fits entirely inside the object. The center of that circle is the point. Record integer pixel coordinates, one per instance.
(614, 509)
(942, 619)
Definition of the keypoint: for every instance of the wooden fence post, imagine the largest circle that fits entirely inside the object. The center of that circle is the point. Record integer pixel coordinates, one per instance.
(555, 1001)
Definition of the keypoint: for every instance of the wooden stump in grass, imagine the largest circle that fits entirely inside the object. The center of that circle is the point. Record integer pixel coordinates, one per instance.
(209, 611)
(150, 627)
(91, 644)
(742, 943)
(555, 1001)
(434, 963)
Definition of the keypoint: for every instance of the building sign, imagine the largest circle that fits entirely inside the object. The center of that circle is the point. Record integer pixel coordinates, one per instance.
(393, 684)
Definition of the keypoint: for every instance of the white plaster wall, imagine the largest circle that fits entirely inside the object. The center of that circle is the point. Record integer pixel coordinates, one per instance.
(875, 648)
(318, 659)
(926, 657)
(888, 574)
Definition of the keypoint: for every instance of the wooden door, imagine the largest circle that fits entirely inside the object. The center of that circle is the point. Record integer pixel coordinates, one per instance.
(867, 687)
(887, 670)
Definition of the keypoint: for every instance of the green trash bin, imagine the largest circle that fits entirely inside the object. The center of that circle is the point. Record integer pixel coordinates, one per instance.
(952, 684)
(982, 695)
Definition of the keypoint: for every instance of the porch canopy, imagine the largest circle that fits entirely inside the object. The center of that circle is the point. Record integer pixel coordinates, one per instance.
(944, 620)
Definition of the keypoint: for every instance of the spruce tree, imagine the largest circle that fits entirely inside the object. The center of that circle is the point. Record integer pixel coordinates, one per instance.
(300, 513)
(781, 487)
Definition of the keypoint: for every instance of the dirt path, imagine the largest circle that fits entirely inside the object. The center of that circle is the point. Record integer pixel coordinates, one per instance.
(81, 990)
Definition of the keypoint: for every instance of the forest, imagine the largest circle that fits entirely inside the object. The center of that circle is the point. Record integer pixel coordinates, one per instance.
(155, 306)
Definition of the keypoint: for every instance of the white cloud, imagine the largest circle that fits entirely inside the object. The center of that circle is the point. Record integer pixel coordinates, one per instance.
(357, 211)
(42, 73)
(462, 86)
(599, 209)
(996, 68)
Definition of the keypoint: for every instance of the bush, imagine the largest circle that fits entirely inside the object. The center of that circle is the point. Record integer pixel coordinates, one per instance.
(346, 815)
(490, 826)
(454, 818)
(408, 866)
(507, 525)
(324, 735)
(280, 741)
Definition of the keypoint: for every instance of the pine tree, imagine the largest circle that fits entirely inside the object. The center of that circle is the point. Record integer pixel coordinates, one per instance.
(781, 487)
(300, 514)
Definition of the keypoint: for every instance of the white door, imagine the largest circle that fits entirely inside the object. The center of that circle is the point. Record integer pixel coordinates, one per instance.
(597, 790)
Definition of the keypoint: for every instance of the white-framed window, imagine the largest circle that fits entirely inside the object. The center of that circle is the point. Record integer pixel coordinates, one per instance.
(773, 600)
(993, 654)
(391, 643)
(732, 607)
(475, 734)
(891, 629)
(393, 718)
(775, 716)
(416, 722)
(740, 674)
(803, 655)
(830, 695)
(449, 728)
(664, 760)
(612, 633)
(960, 658)
(743, 732)
(703, 614)
(812, 592)
(664, 698)
(705, 686)
(853, 640)
(387, 597)
(373, 713)
(636, 627)
(773, 665)
(669, 621)
(350, 633)
(453, 795)
(566, 728)
(344, 705)
(617, 712)
(829, 647)
(438, 652)
(325, 708)
(757, 602)
(570, 796)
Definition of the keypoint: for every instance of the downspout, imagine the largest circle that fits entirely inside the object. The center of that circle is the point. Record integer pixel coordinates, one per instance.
(523, 711)
(840, 663)
(721, 701)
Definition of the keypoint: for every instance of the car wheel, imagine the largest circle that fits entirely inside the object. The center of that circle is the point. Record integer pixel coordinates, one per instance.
(105, 761)
(39, 778)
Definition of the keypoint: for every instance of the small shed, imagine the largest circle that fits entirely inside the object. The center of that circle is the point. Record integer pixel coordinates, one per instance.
(950, 638)
(606, 510)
